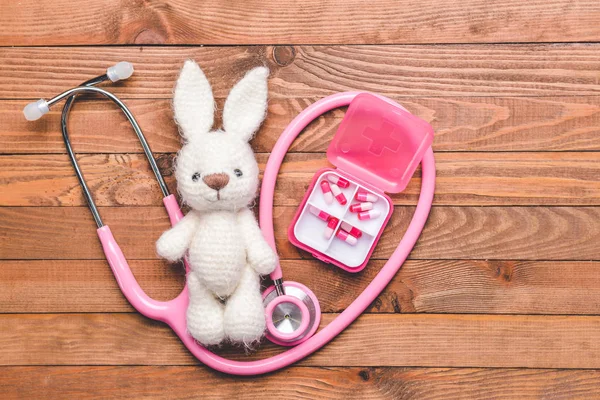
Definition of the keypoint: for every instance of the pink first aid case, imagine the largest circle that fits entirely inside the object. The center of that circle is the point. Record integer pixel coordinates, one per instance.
(376, 149)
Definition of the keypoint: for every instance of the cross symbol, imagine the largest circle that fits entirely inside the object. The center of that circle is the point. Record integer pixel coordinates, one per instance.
(383, 137)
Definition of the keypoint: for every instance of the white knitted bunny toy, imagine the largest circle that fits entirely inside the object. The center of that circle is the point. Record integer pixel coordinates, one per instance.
(217, 176)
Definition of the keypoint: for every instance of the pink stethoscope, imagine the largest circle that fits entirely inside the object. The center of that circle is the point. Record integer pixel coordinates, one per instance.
(292, 310)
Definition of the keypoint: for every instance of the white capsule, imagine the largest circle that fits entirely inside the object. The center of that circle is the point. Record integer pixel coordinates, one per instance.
(327, 195)
(338, 180)
(358, 207)
(363, 195)
(357, 233)
(337, 193)
(346, 237)
(319, 213)
(372, 214)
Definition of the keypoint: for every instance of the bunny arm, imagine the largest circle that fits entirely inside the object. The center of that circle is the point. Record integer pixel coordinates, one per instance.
(261, 256)
(173, 243)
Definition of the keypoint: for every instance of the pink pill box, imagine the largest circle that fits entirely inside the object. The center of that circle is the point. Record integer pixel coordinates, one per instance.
(376, 150)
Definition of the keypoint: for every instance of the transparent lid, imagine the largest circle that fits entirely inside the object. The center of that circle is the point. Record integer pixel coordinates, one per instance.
(380, 142)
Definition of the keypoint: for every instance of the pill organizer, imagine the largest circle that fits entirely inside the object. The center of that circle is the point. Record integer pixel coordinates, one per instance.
(377, 148)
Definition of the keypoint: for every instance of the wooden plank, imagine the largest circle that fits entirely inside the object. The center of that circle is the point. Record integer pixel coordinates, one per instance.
(460, 123)
(255, 22)
(80, 285)
(504, 233)
(260, 22)
(462, 179)
(421, 286)
(316, 71)
(161, 382)
(373, 340)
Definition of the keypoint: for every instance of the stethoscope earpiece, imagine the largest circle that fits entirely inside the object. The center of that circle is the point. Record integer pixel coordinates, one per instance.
(120, 71)
(36, 110)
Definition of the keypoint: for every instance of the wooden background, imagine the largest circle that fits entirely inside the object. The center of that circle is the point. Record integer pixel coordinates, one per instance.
(500, 297)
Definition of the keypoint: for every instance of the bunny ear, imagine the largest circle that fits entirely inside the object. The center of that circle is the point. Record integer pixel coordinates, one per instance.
(246, 105)
(193, 101)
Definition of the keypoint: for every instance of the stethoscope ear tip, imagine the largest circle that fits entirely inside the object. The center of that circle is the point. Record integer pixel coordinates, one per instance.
(120, 71)
(37, 109)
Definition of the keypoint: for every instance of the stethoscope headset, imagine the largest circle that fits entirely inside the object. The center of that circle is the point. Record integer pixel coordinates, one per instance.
(292, 310)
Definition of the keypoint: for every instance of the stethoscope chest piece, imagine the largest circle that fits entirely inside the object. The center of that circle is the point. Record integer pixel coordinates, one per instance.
(293, 317)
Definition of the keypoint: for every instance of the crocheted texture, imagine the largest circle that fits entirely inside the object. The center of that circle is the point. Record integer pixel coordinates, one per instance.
(226, 249)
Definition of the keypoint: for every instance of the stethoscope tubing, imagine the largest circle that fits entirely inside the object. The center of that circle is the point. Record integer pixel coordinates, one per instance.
(71, 95)
(173, 312)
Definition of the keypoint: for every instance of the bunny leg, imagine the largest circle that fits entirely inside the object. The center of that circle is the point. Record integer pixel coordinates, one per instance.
(244, 311)
(204, 313)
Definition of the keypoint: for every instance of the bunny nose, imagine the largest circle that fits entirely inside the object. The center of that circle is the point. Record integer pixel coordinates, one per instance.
(216, 181)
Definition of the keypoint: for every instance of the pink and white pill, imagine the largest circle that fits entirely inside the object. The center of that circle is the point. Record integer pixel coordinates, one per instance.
(338, 180)
(363, 195)
(358, 207)
(337, 193)
(371, 214)
(327, 195)
(346, 237)
(357, 233)
(331, 225)
(319, 213)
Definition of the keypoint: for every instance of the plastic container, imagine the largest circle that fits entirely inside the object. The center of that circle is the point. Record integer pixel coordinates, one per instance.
(376, 149)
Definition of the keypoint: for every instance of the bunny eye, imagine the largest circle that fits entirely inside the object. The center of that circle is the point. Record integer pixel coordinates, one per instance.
(238, 172)
(196, 176)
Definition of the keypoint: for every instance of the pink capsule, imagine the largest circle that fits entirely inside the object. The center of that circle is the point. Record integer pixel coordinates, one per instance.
(326, 189)
(331, 225)
(372, 214)
(351, 230)
(320, 214)
(337, 193)
(346, 237)
(363, 195)
(358, 207)
(338, 180)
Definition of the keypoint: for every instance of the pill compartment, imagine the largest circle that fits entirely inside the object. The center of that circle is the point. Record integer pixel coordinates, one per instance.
(308, 231)
(376, 149)
(317, 199)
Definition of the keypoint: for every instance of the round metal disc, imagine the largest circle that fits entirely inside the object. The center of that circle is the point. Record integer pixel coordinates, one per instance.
(293, 321)
(287, 317)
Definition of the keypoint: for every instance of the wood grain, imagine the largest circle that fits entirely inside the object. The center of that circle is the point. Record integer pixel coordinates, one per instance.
(504, 233)
(460, 124)
(462, 179)
(185, 382)
(258, 22)
(396, 340)
(317, 71)
(498, 300)
(421, 286)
